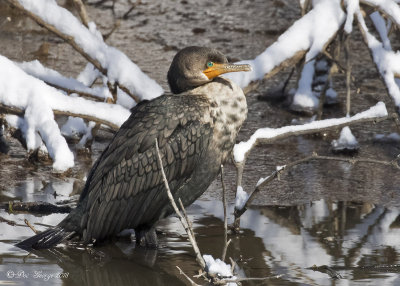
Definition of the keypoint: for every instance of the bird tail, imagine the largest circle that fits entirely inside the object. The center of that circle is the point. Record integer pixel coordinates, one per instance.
(46, 239)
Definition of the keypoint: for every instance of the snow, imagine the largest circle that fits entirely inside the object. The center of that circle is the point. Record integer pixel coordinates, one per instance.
(380, 26)
(36, 69)
(388, 6)
(345, 141)
(387, 62)
(217, 266)
(88, 75)
(310, 33)
(118, 66)
(74, 127)
(240, 149)
(392, 137)
(304, 96)
(18, 89)
(241, 198)
(352, 6)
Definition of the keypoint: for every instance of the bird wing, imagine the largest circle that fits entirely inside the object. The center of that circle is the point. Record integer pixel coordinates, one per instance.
(127, 178)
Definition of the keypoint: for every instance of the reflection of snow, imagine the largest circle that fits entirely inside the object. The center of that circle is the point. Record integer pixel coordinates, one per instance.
(34, 190)
(290, 253)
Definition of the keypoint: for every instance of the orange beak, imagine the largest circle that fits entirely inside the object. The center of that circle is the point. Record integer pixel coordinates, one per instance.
(218, 69)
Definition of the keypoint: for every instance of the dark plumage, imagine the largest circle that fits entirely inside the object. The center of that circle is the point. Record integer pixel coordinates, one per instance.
(196, 129)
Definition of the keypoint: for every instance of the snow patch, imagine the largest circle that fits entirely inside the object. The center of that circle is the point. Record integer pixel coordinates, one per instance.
(392, 137)
(346, 141)
(217, 266)
(241, 198)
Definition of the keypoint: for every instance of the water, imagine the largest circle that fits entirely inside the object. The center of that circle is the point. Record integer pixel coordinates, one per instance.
(319, 213)
(349, 237)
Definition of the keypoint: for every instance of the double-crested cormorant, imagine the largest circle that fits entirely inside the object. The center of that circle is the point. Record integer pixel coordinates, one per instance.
(196, 128)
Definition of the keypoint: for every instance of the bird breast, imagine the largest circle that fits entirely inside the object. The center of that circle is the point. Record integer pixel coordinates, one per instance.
(228, 111)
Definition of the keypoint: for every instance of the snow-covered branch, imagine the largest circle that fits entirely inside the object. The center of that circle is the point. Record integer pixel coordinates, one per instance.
(67, 84)
(118, 68)
(307, 36)
(388, 7)
(387, 62)
(38, 102)
(265, 135)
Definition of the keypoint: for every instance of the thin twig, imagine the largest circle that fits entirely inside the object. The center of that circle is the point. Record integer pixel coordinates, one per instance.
(287, 80)
(31, 226)
(348, 74)
(225, 215)
(187, 277)
(117, 24)
(184, 223)
(251, 279)
(189, 222)
(138, 2)
(82, 12)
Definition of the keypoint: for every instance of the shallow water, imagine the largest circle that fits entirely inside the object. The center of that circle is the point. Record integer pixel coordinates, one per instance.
(320, 213)
(354, 239)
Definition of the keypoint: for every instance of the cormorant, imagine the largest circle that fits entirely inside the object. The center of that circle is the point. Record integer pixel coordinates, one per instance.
(196, 129)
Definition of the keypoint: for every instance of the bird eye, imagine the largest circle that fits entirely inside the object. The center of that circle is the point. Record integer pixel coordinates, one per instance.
(210, 64)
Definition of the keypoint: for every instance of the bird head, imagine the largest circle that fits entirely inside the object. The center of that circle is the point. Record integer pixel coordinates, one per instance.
(195, 66)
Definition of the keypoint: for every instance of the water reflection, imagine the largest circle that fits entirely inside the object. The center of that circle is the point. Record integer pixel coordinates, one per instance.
(353, 238)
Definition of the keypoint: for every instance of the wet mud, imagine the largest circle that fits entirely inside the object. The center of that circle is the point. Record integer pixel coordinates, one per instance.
(322, 213)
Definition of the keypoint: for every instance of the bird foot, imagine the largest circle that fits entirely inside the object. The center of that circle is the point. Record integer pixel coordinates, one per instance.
(146, 237)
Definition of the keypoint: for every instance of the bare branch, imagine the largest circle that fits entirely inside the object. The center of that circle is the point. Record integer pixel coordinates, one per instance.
(30, 226)
(192, 283)
(82, 12)
(348, 74)
(226, 243)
